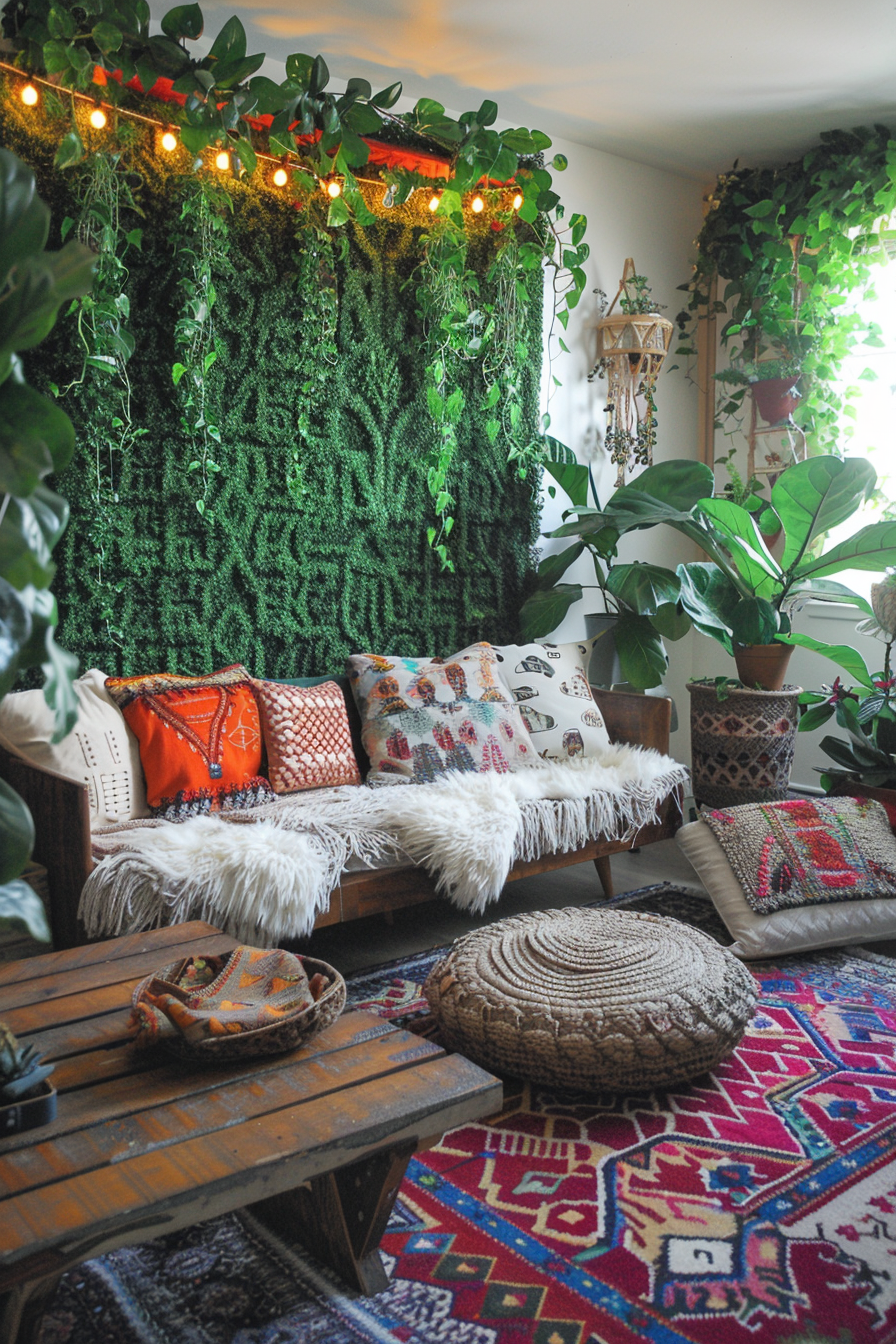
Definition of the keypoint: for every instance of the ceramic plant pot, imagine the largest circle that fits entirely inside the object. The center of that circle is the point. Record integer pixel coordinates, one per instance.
(776, 399)
(37, 1109)
(763, 665)
(742, 746)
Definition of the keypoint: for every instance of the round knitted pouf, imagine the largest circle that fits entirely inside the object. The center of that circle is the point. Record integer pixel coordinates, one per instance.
(593, 1000)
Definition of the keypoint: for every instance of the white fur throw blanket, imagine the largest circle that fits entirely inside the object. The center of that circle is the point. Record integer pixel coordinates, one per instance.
(264, 874)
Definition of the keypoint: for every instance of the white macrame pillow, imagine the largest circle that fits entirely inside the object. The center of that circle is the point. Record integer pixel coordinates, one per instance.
(549, 683)
(100, 751)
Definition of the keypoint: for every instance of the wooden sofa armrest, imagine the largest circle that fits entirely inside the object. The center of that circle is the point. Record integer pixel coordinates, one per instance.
(61, 813)
(637, 720)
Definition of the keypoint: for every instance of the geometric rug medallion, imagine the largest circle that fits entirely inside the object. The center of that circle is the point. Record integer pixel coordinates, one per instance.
(755, 1204)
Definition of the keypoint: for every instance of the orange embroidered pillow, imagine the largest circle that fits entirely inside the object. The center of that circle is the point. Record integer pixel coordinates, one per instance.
(306, 735)
(200, 739)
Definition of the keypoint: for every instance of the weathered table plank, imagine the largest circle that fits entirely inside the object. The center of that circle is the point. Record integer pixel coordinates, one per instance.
(146, 1144)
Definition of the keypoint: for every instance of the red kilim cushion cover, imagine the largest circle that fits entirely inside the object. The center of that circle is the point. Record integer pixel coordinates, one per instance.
(200, 739)
(306, 735)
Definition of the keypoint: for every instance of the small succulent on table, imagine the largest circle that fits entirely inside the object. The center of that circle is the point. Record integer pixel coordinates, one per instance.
(865, 710)
(21, 1069)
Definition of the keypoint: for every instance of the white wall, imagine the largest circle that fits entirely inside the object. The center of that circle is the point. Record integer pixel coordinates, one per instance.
(652, 216)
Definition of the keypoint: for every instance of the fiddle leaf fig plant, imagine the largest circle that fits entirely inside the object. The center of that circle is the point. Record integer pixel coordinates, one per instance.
(36, 439)
(644, 597)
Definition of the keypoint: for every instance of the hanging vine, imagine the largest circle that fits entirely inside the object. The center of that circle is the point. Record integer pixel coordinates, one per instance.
(201, 244)
(105, 192)
(316, 284)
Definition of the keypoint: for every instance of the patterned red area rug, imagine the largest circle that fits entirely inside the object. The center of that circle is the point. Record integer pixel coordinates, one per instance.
(757, 1204)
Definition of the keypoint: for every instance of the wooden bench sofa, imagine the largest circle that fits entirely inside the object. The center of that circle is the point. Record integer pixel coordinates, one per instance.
(62, 823)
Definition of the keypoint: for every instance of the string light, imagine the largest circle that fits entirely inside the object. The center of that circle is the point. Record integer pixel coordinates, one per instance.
(334, 189)
(517, 200)
(222, 161)
(280, 178)
(98, 119)
(434, 200)
(30, 96)
(477, 205)
(169, 142)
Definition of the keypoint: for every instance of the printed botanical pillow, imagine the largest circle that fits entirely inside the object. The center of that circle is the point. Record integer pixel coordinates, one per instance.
(423, 717)
(306, 736)
(549, 683)
(200, 739)
(807, 851)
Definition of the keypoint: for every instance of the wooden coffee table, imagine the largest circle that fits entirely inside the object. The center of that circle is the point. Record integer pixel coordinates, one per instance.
(315, 1141)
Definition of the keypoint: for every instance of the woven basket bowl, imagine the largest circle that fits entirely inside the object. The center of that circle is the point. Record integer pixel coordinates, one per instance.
(287, 1034)
(592, 1000)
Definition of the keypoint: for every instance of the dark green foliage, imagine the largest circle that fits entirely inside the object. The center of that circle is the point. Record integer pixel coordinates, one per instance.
(287, 582)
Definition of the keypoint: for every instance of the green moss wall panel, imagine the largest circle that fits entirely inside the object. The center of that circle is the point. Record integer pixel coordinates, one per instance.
(288, 588)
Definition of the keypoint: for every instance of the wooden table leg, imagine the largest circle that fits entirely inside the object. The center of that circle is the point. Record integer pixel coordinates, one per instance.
(340, 1217)
(23, 1307)
(605, 873)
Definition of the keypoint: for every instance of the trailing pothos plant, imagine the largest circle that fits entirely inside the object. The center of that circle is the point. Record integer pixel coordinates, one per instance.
(644, 598)
(104, 192)
(794, 247)
(99, 46)
(201, 245)
(36, 439)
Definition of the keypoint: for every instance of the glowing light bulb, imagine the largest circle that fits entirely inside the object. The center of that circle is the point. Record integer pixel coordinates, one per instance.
(517, 200)
(169, 142)
(30, 96)
(334, 189)
(434, 202)
(98, 118)
(280, 178)
(222, 161)
(477, 205)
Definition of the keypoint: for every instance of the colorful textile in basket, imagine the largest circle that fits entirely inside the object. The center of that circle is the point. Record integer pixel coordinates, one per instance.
(807, 851)
(249, 988)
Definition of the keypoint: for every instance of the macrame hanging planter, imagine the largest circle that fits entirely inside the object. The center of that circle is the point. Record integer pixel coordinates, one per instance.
(631, 347)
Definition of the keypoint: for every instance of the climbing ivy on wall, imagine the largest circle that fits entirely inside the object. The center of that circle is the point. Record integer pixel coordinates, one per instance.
(318, 545)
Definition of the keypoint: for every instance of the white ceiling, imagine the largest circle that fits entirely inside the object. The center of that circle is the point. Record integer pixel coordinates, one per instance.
(687, 85)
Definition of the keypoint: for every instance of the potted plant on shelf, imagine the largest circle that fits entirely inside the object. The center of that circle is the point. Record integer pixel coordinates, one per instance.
(772, 383)
(864, 763)
(640, 600)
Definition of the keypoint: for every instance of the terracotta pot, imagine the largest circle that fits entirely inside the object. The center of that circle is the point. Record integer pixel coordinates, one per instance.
(763, 665)
(742, 746)
(776, 399)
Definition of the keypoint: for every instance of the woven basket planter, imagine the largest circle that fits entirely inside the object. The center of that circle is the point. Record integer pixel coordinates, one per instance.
(742, 746)
(592, 1000)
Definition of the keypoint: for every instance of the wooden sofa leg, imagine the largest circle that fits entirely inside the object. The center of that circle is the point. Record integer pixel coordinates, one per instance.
(605, 873)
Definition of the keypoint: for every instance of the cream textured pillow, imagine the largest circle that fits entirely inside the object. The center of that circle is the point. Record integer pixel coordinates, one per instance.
(549, 683)
(100, 751)
(785, 931)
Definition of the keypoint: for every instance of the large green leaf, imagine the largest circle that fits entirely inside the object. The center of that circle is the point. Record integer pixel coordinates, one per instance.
(29, 530)
(21, 907)
(36, 437)
(643, 587)
(183, 21)
(542, 612)
(642, 658)
(828, 590)
(872, 547)
(60, 668)
(553, 567)
(16, 833)
(735, 529)
(813, 496)
(24, 219)
(572, 478)
(709, 598)
(753, 621)
(843, 655)
(671, 621)
(230, 44)
(678, 483)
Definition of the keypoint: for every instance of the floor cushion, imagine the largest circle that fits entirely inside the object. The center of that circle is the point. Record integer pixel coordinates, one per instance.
(593, 1000)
